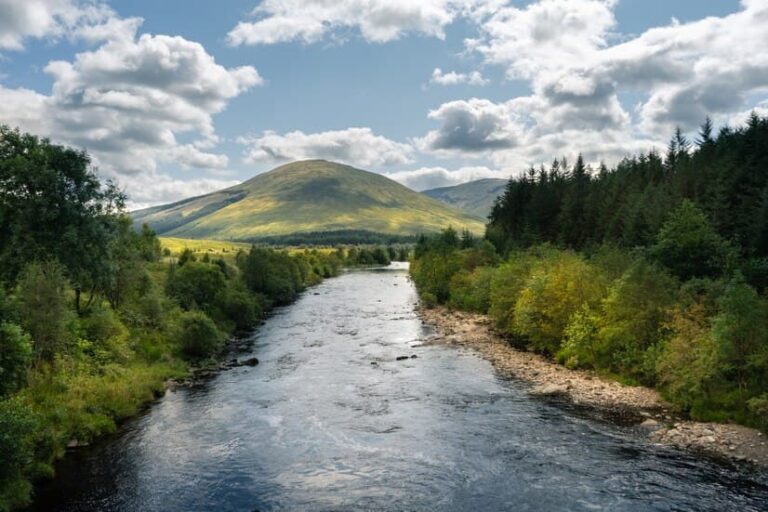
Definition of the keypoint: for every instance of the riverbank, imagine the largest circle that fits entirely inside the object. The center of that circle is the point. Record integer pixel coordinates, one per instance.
(633, 404)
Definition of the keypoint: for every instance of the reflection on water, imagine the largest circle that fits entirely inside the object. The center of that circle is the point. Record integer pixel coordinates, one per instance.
(330, 420)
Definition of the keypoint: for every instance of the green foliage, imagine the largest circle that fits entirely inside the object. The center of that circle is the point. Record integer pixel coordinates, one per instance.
(630, 322)
(43, 308)
(52, 205)
(507, 282)
(199, 336)
(243, 308)
(688, 245)
(273, 274)
(556, 288)
(432, 274)
(197, 285)
(15, 357)
(17, 425)
(471, 291)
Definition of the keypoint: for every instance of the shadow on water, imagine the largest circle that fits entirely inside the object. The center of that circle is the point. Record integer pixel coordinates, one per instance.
(332, 420)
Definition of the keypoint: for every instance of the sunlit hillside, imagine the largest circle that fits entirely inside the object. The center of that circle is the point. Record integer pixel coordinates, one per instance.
(307, 196)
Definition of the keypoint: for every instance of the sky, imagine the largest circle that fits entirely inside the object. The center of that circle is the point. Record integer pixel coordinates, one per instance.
(176, 98)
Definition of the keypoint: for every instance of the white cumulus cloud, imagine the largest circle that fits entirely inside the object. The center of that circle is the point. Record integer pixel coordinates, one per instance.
(127, 102)
(454, 78)
(354, 146)
(310, 21)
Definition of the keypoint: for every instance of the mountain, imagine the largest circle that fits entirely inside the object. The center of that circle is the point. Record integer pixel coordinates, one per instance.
(306, 197)
(475, 197)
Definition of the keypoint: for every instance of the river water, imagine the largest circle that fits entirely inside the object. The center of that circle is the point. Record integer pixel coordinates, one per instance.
(330, 420)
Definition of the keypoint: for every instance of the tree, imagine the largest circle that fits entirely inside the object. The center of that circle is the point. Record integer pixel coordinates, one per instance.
(43, 308)
(197, 285)
(53, 205)
(688, 245)
(199, 336)
(15, 357)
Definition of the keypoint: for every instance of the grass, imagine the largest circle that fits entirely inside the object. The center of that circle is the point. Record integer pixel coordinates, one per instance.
(213, 247)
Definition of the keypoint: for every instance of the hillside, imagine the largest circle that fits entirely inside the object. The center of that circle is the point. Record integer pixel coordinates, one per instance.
(475, 198)
(303, 197)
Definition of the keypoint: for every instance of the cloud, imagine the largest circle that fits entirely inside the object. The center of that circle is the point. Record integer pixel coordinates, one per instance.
(24, 19)
(454, 78)
(578, 70)
(310, 21)
(354, 146)
(544, 36)
(162, 189)
(472, 126)
(127, 101)
(426, 178)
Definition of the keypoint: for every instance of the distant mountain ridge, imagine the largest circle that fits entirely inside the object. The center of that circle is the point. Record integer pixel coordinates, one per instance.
(475, 197)
(304, 197)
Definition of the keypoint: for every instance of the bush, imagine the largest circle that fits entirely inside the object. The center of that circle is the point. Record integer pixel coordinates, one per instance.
(15, 357)
(432, 273)
(689, 360)
(471, 291)
(100, 324)
(579, 348)
(506, 284)
(43, 308)
(199, 335)
(242, 308)
(428, 300)
(16, 452)
(197, 285)
(557, 287)
(631, 318)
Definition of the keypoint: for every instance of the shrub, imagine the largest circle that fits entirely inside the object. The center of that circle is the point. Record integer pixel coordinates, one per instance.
(632, 315)
(16, 452)
(579, 348)
(557, 287)
(15, 357)
(197, 285)
(44, 310)
(471, 291)
(243, 308)
(100, 324)
(689, 359)
(506, 284)
(199, 335)
(428, 300)
(433, 271)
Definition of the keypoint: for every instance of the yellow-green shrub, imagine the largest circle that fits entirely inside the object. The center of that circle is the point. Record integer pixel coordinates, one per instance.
(556, 288)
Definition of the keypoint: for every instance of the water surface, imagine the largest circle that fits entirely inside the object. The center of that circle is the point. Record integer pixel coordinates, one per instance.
(331, 421)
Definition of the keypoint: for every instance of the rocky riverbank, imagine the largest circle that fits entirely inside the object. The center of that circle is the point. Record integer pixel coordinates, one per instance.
(633, 404)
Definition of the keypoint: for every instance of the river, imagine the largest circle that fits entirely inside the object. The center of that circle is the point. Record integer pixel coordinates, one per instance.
(330, 420)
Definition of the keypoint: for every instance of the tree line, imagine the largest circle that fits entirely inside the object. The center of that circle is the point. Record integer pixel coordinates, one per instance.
(653, 272)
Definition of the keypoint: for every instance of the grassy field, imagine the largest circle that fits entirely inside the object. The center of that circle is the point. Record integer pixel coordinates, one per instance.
(177, 245)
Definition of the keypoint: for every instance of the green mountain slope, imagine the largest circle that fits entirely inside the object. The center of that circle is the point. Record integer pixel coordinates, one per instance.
(475, 197)
(302, 197)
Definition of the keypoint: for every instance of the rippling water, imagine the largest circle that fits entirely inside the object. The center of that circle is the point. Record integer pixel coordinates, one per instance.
(331, 421)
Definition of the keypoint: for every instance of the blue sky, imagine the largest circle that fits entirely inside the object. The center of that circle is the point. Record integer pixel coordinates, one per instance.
(178, 97)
